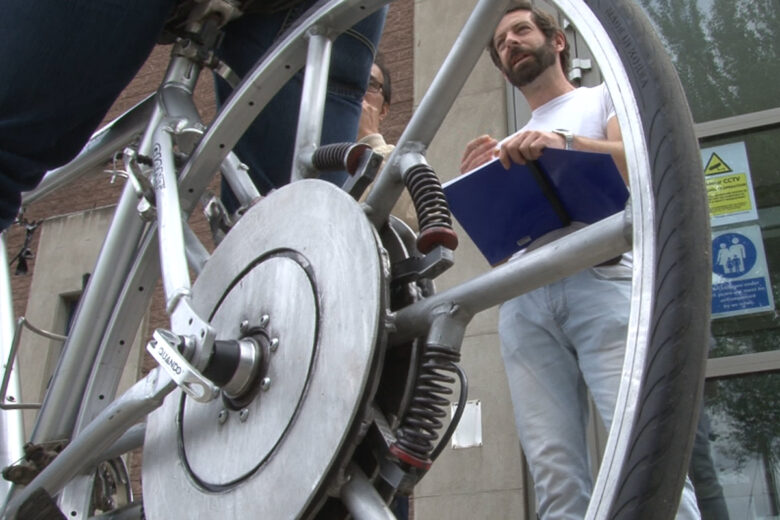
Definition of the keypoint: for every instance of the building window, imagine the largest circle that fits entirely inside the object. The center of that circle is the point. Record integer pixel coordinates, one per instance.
(736, 469)
(727, 52)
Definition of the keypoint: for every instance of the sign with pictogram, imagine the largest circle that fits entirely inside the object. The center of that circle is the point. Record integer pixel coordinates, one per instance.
(729, 186)
(716, 165)
(740, 278)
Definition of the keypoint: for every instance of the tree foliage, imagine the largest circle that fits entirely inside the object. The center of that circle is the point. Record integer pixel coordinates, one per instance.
(727, 52)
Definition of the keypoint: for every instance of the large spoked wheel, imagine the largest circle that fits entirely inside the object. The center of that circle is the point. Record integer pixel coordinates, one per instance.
(646, 457)
(287, 447)
(645, 460)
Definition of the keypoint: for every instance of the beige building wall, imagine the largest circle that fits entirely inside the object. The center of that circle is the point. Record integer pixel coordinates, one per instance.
(69, 246)
(485, 481)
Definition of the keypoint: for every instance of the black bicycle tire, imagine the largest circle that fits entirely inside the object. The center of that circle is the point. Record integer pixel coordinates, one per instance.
(662, 432)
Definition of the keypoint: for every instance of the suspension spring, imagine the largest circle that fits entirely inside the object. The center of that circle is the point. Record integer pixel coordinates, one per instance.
(433, 212)
(339, 156)
(420, 427)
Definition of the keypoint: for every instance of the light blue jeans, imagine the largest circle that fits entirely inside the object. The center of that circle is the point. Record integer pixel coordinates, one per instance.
(558, 342)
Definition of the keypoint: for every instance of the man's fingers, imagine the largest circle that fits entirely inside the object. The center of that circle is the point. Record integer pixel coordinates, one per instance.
(477, 152)
(511, 151)
(476, 160)
(524, 147)
(481, 142)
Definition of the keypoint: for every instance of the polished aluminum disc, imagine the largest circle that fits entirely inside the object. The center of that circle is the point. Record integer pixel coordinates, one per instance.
(302, 271)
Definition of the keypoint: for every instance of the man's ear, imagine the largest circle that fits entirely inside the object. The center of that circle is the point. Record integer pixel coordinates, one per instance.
(383, 113)
(560, 41)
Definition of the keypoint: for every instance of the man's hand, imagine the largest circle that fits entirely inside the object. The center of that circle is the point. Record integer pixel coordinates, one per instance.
(528, 146)
(520, 148)
(478, 152)
(369, 120)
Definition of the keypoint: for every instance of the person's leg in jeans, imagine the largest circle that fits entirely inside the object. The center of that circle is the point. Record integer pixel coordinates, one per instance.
(267, 147)
(599, 300)
(549, 400)
(63, 65)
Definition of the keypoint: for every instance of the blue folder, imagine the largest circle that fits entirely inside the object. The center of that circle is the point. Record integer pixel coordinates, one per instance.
(505, 210)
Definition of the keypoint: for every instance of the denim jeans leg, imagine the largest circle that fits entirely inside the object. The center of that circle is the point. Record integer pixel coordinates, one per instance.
(597, 325)
(549, 400)
(63, 65)
(602, 299)
(267, 146)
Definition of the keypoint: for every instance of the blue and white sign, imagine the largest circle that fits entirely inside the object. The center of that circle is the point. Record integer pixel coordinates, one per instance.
(740, 279)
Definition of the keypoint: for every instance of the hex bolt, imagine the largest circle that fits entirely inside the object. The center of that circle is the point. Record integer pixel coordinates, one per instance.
(222, 416)
(243, 415)
(274, 344)
(265, 384)
(244, 327)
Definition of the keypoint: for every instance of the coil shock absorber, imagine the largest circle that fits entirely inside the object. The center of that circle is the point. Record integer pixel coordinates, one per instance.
(433, 212)
(419, 429)
(338, 156)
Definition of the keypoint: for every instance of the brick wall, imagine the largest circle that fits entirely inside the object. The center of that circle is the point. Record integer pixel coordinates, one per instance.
(397, 49)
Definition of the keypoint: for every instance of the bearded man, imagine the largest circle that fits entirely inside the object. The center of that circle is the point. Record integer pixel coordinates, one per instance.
(560, 341)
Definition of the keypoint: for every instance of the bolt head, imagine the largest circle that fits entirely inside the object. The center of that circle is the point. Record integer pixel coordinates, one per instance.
(244, 326)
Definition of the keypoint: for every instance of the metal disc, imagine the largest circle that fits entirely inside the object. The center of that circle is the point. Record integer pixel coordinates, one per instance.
(307, 258)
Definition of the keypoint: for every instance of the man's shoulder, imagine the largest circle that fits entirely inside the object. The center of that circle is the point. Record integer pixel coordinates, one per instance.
(594, 91)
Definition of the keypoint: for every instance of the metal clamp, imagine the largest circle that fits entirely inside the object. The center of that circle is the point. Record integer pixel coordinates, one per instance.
(164, 348)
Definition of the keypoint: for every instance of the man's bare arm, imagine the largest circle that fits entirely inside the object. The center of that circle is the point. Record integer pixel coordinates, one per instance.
(529, 146)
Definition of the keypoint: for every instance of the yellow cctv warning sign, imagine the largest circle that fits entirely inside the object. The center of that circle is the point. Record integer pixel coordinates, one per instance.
(728, 194)
(716, 165)
(729, 186)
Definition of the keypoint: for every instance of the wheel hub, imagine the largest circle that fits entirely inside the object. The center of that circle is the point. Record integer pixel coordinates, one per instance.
(300, 283)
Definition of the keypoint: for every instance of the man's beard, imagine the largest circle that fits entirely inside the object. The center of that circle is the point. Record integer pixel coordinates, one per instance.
(532, 67)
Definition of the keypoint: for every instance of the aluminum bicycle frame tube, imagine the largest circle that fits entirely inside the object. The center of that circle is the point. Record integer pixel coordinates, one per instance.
(99, 149)
(361, 498)
(85, 451)
(111, 359)
(261, 84)
(176, 278)
(62, 401)
(235, 173)
(582, 249)
(63, 398)
(436, 103)
(315, 84)
(116, 344)
(11, 425)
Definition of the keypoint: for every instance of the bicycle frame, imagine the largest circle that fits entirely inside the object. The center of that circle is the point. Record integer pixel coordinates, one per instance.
(140, 248)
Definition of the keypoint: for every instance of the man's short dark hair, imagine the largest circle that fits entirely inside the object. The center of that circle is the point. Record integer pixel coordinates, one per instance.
(387, 86)
(545, 22)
